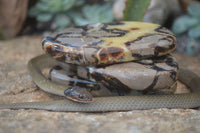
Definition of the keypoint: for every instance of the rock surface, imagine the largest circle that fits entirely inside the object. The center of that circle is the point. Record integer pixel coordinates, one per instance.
(16, 86)
(12, 14)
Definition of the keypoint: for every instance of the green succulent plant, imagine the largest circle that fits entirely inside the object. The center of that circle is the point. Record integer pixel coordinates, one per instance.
(93, 14)
(63, 13)
(189, 24)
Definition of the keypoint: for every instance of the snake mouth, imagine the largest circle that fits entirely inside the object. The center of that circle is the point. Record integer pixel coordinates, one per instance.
(75, 99)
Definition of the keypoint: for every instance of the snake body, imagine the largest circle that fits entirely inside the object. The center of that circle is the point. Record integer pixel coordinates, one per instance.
(104, 44)
(116, 103)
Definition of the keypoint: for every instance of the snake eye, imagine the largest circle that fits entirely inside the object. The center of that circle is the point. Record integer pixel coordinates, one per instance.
(81, 96)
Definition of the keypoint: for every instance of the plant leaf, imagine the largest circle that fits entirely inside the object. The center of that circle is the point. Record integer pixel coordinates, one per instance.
(194, 32)
(67, 4)
(135, 10)
(192, 47)
(183, 23)
(44, 17)
(98, 13)
(194, 11)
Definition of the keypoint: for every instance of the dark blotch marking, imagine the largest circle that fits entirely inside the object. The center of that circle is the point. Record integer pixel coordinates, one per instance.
(98, 42)
(158, 69)
(135, 28)
(78, 57)
(49, 51)
(110, 51)
(159, 49)
(153, 83)
(156, 51)
(61, 57)
(162, 30)
(171, 62)
(71, 83)
(114, 23)
(67, 35)
(173, 75)
(53, 48)
(84, 27)
(56, 68)
(52, 69)
(139, 56)
(128, 43)
(103, 54)
(113, 84)
(115, 31)
(115, 51)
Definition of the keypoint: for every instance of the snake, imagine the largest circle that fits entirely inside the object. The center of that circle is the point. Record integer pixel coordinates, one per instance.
(111, 103)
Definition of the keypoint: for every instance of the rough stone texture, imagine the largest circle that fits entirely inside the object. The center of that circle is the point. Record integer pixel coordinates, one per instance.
(12, 14)
(155, 121)
(16, 86)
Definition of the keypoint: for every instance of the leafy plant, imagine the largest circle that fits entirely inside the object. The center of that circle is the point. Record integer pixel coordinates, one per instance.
(135, 9)
(60, 14)
(190, 25)
(93, 14)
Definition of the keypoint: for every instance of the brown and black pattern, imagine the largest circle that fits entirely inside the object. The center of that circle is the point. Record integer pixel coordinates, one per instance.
(73, 44)
(73, 80)
(94, 45)
(61, 76)
(90, 32)
(164, 30)
(159, 70)
(152, 48)
(69, 47)
(164, 66)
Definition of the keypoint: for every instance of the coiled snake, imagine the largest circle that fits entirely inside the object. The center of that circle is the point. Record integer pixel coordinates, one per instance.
(111, 103)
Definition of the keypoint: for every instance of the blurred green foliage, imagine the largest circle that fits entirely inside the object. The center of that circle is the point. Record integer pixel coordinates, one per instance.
(59, 14)
(189, 24)
(93, 14)
(135, 9)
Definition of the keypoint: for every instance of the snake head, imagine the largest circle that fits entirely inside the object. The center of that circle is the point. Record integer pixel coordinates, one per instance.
(78, 94)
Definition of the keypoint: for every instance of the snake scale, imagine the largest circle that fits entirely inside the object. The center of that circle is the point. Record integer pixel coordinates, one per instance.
(111, 103)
